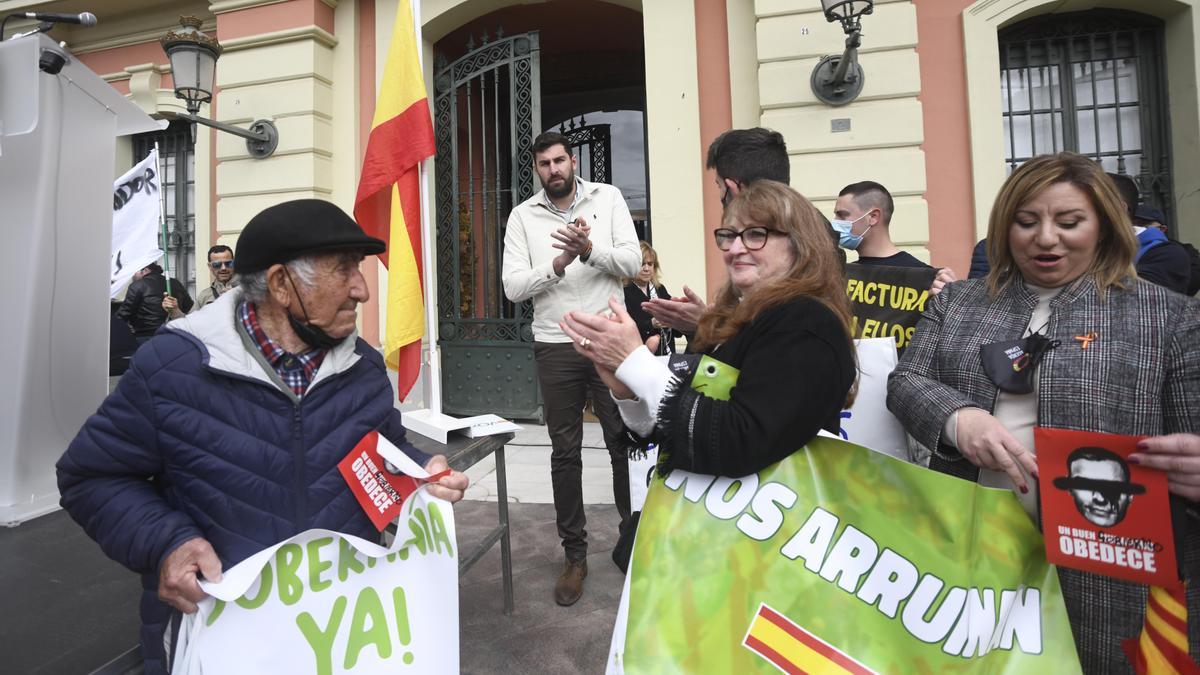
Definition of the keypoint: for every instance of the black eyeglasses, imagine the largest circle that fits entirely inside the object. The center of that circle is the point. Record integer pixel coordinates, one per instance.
(753, 238)
(221, 264)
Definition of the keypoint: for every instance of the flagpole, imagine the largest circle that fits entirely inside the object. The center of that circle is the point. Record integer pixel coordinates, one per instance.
(430, 421)
(162, 216)
(432, 358)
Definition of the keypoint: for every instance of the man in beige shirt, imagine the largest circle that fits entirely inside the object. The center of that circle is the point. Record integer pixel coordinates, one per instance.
(567, 248)
(220, 265)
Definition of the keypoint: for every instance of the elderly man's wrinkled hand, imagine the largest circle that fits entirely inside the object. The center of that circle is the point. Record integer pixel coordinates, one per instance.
(1179, 456)
(178, 585)
(451, 487)
(984, 441)
(682, 314)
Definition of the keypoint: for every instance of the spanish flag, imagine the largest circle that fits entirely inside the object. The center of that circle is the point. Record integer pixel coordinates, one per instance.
(388, 204)
(794, 650)
(1162, 648)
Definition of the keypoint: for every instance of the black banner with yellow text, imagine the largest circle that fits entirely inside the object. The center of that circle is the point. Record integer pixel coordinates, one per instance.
(887, 301)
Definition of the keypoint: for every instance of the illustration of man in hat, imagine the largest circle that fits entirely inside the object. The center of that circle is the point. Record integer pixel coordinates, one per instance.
(1098, 480)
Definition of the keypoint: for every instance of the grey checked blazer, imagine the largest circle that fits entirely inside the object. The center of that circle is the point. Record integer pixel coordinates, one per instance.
(1140, 376)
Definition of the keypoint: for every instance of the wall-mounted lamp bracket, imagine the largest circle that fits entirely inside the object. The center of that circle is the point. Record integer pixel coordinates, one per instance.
(261, 138)
(838, 79)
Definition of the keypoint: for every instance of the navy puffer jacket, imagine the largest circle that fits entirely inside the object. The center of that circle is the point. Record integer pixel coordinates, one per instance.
(198, 440)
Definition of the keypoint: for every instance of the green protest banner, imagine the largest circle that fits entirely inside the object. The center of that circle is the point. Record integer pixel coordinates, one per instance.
(839, 559)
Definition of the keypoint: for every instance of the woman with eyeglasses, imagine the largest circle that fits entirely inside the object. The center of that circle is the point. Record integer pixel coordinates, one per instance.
(780, 325)
(642, 288)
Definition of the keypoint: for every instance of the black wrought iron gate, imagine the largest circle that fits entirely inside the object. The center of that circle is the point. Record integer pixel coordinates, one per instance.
(592, 144)
(1090, 82)
(487, 108)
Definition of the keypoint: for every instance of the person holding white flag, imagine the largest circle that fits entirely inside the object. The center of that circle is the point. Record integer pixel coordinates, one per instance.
(150, 301)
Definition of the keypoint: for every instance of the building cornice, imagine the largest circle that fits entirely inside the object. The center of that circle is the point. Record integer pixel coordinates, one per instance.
(222, 6)
(140, 37)
(315, 33)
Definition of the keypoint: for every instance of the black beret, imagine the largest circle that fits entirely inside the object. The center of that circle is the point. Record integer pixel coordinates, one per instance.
(297, 228)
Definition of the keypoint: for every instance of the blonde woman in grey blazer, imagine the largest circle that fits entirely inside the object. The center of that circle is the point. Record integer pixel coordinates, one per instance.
(1111, 354)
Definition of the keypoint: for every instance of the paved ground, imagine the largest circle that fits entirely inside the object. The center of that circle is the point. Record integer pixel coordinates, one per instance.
(540, 636)
(527, 458)
(68, 609)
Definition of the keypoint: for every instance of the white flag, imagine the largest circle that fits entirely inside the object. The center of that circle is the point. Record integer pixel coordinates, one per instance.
(137, 212)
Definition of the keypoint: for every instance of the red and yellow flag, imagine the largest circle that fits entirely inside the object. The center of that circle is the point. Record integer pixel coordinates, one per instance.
(388, 204)
(794, 650)
(1162, 648)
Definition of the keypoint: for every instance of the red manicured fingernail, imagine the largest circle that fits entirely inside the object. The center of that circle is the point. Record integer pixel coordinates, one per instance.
(1024, 490)
(1134, 459)
(1143, 445)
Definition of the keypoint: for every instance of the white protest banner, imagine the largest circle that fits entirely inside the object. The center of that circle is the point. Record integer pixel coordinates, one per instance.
(137, 211)
(640, 470)
(868, 422)
(324, 602)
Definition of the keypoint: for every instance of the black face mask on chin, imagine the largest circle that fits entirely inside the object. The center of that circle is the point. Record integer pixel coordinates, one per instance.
(311, 335)
(1010, 364)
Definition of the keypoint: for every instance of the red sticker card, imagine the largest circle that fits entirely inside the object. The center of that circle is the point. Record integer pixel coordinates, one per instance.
(379, 490)
(1101, 513)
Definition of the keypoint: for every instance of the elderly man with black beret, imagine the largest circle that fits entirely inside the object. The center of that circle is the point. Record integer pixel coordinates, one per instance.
(224, 436)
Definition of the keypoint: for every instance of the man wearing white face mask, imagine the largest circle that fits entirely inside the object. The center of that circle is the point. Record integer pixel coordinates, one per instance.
(861, 218)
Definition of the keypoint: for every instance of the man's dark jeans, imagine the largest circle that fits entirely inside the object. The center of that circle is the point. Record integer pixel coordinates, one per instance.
(567, 381)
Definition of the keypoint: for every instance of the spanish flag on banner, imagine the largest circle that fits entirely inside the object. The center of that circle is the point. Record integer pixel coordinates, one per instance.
(1162, 648)
(794, 650)
(388, 204)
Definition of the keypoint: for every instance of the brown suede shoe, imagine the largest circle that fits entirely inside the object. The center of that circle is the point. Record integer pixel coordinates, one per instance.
(570, 583)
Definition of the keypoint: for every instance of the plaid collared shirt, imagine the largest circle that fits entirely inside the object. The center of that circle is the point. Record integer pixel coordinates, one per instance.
(296, 370)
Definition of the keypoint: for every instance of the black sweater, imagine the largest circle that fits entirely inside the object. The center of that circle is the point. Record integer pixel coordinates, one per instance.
(635, 295)
(796, 369)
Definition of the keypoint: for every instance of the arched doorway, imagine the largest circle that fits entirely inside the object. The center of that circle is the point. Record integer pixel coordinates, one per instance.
(498, 81)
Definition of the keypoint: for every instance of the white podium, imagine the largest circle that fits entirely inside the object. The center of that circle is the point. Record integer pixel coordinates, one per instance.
(57, 143)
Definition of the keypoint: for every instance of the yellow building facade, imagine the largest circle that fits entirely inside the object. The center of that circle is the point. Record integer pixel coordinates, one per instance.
(939, 120)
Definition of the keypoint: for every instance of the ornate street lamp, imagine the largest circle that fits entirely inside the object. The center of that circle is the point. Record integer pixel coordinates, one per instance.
(193, 58)
(838, 80)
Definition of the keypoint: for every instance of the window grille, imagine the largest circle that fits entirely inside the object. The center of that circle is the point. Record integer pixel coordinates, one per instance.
(1094, 83)
(177, 158)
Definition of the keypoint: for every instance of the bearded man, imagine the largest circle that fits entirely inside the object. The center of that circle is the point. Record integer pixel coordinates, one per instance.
(568, 247)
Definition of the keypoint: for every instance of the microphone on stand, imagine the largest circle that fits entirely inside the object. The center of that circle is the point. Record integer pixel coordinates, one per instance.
(48, 19)
(83, 18)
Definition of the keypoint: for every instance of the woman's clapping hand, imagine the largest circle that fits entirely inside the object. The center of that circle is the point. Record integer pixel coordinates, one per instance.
(606, 340)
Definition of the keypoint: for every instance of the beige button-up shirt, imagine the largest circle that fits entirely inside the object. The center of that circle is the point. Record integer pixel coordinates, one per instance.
(584, 286)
